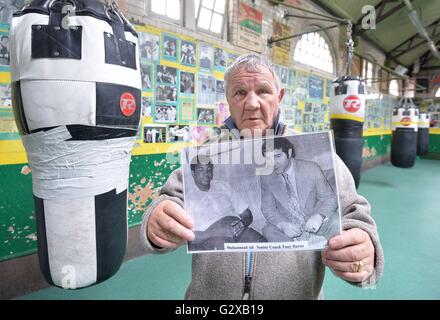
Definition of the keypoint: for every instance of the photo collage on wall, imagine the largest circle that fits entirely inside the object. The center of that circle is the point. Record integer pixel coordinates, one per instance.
(305, 103)
(183, 94)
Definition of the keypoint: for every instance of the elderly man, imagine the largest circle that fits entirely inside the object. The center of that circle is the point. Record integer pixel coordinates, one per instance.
(254, 93)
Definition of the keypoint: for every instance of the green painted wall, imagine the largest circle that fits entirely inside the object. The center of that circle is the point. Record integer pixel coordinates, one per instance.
(434, 143)
(17, 216)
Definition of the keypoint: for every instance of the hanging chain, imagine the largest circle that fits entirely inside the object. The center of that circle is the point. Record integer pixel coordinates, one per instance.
(350, 46)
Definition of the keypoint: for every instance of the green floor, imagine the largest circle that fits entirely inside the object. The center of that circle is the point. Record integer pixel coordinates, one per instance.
(406, 206)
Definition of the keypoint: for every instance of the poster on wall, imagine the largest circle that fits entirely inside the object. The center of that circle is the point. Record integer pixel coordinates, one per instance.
(146, 74)
(169, 47)
(187, 114)
(250, 27)
(220, 59)
(188, 53)
(187, 82)
(149, 46)
(4, 49)
(206, 54)
(316, 88)
(281, 49)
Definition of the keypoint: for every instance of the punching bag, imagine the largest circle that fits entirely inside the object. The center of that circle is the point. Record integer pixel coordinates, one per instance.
(76, 87)
(347, 119)
(423, 134)
(404, 140)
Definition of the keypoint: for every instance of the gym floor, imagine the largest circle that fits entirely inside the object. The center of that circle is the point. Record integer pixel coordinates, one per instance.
(405, 205)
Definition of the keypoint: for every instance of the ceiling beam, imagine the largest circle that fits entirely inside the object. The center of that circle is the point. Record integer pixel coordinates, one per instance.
(415, 36)
(425, 56)
(423, 42)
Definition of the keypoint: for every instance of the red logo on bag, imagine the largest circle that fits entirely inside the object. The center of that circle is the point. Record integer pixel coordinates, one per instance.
(127, 103)
(406, 121)
(352, 103)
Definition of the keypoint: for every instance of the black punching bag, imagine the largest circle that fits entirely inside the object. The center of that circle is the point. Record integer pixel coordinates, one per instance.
(76, 87)
(404, 140)
(423, 134)
(347, 119)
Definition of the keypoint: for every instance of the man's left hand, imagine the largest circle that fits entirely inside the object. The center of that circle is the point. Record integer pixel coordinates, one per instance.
(345, 253)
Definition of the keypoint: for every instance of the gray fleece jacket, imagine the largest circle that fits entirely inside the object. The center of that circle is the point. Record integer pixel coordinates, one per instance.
(275, 275)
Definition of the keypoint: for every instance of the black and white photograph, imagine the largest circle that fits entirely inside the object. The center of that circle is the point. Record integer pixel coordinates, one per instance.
(149, 46)
(166, 75)
(146, 72)
(205, 116)
(220, 59)
(166, 93)
(169, 47)
(272, 194)
(8, 7)
(5, 57)
(220, 89)
(155, 133)
(206, 94)
(165, 113)
(206, 53)
(188, 53)
(187, 82)
(147, 104)
(178, 133)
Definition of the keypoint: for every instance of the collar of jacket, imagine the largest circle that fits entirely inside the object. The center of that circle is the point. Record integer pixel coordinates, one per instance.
(278, 125)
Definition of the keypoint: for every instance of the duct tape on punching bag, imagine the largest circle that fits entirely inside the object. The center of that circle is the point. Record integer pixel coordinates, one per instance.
(347, 119)
(423, 134)
(404, 124)
(76, 96)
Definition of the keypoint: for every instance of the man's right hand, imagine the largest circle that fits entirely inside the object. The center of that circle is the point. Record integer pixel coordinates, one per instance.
(169, 226)
(291, 230)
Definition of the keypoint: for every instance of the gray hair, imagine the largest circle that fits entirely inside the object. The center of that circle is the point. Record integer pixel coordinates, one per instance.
(252, 62)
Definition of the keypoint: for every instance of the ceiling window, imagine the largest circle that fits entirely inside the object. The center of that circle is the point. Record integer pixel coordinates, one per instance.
(170, 9)
(394, 88)
(313, 50)
(210, 15)
(367, 73)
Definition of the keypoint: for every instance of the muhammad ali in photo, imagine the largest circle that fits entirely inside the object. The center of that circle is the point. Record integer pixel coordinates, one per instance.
(271, 194)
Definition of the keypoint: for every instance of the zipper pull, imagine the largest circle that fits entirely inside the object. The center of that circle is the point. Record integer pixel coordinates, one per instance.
(247, 287)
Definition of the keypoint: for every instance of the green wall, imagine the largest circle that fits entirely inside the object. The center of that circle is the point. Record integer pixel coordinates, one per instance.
(17, 216)
(434, 143)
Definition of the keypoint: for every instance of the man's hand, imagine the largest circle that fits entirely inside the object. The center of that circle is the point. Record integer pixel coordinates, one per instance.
(346, 250)
(169, 226)
(291, 230)
(314, 223)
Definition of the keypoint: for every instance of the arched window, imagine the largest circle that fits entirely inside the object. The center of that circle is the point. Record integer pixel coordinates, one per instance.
(313, 50)
(394, 88)
(437, 94)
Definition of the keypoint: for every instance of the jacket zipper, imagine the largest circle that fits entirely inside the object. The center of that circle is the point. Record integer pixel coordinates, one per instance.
(249, 256)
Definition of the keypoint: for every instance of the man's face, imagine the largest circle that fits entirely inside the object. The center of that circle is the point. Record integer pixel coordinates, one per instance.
(253, 99)
(280, 160)
(203, 175)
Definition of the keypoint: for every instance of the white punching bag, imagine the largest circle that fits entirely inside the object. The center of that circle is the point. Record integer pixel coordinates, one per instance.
(76, 96)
